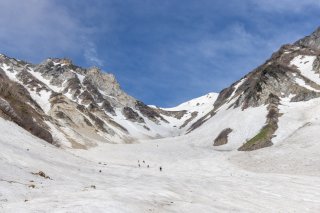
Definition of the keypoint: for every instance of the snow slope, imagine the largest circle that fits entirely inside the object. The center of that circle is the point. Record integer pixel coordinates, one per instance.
(202, 104)
(304, 64)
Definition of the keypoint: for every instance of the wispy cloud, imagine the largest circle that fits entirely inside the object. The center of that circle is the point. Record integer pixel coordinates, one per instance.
(35, 26)
(36, 29)
(210, 61)
(91, 55)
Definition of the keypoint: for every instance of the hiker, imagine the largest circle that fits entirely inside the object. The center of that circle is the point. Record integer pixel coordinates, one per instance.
(160, 168)
(139, 164)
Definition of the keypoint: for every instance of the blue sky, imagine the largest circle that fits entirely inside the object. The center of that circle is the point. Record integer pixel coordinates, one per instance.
(161, 52)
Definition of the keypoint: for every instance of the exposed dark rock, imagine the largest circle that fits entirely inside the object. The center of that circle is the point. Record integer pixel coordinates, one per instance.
(41, 174)
(264, 137)
(73, 86)
(149, 112)
(86, 98)
(58, 98)
(98, 122)
(147, 128)
(193, 115)
(15, 99)
(312, 41)
(29, 80)
(106, 105)
(175, 114)
(7, 110)
(93, 107)
(267, 79)
(131, 115)
(223, 96)
(63, 116)
(113, 123)
(93, 90)
(305, 96)
(222, 138)
(201, 121)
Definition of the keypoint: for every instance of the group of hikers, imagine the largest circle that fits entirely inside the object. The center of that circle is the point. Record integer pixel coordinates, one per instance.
(160, 168)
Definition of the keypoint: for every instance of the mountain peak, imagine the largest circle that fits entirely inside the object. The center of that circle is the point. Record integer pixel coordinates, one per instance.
(94, 70)
(85, 105)
(65, 61)
(317, 32)
(312, 41)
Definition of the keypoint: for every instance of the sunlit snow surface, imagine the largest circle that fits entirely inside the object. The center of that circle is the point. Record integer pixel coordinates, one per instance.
(195, 178)
(305, 65)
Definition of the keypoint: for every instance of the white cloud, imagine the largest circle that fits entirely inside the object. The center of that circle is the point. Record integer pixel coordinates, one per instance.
(36, 29)
(233, 39)
(91, 55)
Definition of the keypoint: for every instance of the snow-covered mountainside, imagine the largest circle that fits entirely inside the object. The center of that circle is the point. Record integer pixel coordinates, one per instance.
(75, 107)
(253, 112)
(106, 148)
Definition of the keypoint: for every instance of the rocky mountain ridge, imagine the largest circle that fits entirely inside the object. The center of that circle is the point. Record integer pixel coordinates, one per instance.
(76, 107)
(80, 107)
(292, 73)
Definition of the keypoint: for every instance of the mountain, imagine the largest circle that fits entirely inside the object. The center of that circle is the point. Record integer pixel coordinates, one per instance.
(76, 107)
(253, 112)
(73, 141)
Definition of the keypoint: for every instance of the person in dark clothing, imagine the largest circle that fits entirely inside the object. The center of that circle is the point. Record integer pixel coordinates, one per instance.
(160, 168)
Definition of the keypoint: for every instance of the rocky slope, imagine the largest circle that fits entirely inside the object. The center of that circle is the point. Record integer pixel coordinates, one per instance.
(76, 107)
(292, 74)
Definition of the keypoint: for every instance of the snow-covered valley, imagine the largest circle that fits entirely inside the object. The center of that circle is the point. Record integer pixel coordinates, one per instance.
(193, 178)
